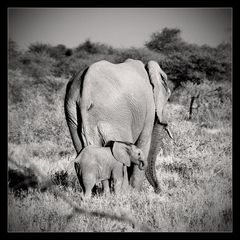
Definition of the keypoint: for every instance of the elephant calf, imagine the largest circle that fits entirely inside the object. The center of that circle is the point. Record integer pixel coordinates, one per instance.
(95, 164)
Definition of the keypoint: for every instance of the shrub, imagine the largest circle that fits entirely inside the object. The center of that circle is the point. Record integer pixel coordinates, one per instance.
(73, 64)
(178, 68)
(39, 48)
(181, 61)
(167, 41)
(142, 54)
(13, 55)
(52, 56)
(37, 65)
(211, 103)
(94, 48)
(195, 66)
(188, 62)
(56, 52)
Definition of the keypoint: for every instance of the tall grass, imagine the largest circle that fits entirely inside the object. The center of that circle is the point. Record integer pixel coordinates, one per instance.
(195, 173)
(195, 170)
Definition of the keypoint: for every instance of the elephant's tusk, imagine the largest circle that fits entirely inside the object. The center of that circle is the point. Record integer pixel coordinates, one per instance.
(169, 132)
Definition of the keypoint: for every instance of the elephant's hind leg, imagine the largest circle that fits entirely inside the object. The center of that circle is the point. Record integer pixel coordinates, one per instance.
(79, 175)
(89, 181)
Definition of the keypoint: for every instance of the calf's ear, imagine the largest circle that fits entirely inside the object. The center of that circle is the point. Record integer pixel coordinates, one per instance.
(120, 153)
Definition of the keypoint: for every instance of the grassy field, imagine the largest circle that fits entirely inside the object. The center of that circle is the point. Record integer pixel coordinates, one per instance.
(195, 170)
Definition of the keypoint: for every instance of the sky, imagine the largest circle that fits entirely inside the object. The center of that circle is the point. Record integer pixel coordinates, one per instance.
(118, 27)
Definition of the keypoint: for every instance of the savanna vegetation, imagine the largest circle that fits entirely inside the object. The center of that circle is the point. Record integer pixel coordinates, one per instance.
(195, 170)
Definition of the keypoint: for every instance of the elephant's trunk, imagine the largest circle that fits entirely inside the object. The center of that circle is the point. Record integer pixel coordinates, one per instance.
(154, 150)
(141, 165)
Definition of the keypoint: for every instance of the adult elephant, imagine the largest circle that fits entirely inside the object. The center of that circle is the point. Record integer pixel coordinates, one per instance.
(119, 102)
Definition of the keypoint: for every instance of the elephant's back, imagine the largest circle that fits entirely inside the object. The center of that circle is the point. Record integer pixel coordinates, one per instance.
(106, 83)
(115, 95)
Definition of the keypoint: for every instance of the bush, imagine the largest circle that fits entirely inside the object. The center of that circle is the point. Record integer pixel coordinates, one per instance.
(78, 62)
(178, 68)
(195, 66)
(56, 52)
(37, 65)
(167, 41)
(39, 48)
(142, 54)
(211, 104)
(13, 55)
(181, 61)
(94, 48)
(49, 58)
(188, 62)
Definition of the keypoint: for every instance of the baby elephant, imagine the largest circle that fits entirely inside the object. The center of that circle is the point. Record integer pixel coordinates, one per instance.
(95, 164)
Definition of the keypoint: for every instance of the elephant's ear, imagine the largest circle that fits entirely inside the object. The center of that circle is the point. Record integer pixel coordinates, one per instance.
(120, 152)
(161, 92)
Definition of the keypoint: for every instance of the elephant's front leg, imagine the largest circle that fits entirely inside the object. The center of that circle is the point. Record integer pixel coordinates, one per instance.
(117, 185)
(125, 184)
(106, 187)
(137, 177)
(118, 179)
(88, 193)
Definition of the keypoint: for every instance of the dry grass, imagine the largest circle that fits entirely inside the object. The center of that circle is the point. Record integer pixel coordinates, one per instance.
(195, 172)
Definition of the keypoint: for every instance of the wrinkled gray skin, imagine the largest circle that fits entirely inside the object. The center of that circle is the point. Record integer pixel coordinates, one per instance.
(97, 164)
(119, 102)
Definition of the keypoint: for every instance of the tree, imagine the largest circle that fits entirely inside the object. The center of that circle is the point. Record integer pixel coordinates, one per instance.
(39, 47)
(87, 46)
(167, 41)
